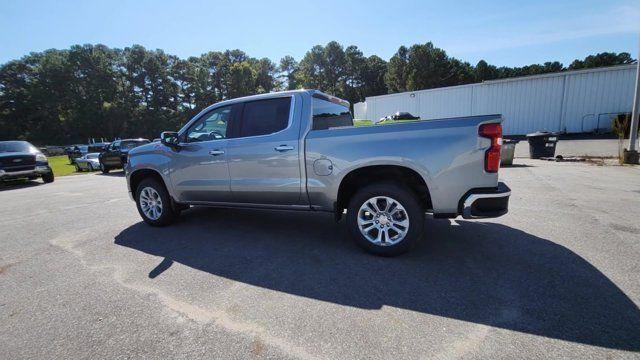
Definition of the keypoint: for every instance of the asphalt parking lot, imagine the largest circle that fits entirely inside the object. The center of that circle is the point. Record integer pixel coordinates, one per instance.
(82, 277)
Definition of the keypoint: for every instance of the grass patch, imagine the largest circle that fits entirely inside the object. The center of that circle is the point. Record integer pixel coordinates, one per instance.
(60, 165)
(362, 122)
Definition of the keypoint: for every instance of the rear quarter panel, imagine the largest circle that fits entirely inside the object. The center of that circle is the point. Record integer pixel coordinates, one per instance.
(448, 154)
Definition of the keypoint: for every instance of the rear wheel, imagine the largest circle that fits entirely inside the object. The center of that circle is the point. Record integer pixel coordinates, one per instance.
(154, 203)
(385, 219)
(104, 169)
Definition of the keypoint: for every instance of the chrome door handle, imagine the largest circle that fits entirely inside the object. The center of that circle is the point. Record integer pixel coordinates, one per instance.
(216, 152)
(283, 148)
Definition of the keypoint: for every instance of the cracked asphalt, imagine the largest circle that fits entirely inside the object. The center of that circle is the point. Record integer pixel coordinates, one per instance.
(559, 276)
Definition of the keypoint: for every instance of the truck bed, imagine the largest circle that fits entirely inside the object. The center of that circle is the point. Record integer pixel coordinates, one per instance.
(447, 153)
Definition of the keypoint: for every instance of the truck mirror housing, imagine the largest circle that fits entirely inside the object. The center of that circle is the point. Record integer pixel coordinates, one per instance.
(170, 138)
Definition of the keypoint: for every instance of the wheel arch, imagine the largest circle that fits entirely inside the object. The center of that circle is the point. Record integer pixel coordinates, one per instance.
(138, 175)
(365, 175)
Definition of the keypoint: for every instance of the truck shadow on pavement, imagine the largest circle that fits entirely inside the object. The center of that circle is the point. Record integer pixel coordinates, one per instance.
(485, 273)
(112, 173)
(18, 184)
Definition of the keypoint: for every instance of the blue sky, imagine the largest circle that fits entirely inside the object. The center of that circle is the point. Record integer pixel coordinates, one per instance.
(511, 33)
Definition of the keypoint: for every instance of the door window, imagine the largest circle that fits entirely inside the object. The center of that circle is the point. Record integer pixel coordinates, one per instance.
(263, 117)
(211, 126)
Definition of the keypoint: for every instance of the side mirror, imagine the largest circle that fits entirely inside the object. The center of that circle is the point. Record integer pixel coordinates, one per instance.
(170, 139)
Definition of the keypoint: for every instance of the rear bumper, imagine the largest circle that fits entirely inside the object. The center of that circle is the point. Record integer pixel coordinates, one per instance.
(485, 203)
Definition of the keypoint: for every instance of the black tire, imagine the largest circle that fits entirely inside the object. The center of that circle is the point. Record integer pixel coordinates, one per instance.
(167, 215)
(48, 178)
(406, 198)
(104, 168)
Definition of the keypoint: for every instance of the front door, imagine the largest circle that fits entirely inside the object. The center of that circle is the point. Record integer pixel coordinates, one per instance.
(199, 167)
(111, 157)
(263, 155)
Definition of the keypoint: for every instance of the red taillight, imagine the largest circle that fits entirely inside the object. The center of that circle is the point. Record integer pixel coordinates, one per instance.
(492, 155)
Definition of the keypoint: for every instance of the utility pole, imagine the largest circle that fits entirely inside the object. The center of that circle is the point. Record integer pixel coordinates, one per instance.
(631, 155)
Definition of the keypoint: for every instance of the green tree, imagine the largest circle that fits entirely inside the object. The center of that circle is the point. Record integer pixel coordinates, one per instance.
(396, 77)
(67, 96)
(287, 73)
(602, 59)
(242, 79)
(484, 71)
(374, 77)
(312, 69)
(265, 78)
(424, 66)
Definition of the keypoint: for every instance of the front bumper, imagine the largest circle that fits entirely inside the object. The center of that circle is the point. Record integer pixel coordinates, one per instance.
(485, 203)
(38, 171)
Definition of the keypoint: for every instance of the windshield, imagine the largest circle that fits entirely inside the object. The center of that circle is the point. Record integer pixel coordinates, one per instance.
(17, 146)
(128, 145)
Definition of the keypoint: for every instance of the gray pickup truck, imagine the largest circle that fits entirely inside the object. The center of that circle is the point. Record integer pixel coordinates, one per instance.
(299, 150)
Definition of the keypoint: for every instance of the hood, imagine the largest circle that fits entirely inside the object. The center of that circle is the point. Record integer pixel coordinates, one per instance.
(10, 154)
(142, 149)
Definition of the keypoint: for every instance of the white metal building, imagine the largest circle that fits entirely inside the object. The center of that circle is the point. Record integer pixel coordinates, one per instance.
(571, 101)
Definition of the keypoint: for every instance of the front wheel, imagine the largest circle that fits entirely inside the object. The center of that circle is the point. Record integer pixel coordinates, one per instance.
(385, 219)
(154, 203)
(47, 178)
(104, 169)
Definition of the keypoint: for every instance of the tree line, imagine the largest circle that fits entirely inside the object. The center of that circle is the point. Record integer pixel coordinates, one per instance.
(93, 91)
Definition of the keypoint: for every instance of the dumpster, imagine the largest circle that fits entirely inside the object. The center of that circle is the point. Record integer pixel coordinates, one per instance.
(507, 151)
(542, 144)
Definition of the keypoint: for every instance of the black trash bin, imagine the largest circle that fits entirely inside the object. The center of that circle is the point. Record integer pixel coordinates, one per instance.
(542, 144)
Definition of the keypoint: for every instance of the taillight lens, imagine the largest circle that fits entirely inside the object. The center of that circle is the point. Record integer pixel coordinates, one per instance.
(492, 155)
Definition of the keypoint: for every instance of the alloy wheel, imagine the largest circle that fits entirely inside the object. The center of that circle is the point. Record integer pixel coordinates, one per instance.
(151, 203)
(383, 221)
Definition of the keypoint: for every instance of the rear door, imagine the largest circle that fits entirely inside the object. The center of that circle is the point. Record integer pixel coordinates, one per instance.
(263, 155)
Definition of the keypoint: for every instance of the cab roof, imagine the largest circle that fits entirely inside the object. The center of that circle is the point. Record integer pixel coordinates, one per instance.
(314, 93)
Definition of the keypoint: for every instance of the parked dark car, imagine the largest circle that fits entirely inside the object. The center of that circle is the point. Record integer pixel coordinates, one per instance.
(20, 159)
(99, 147)
(116, 154)
(69, 150)
(77, 151)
